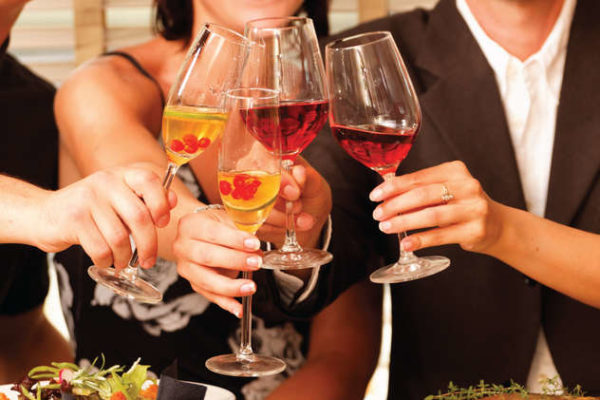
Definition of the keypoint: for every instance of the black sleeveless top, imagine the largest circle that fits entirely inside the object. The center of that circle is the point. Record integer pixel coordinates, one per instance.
(183, 330)
(29, 151)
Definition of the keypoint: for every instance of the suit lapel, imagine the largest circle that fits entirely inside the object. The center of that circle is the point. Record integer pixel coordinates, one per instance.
(576, 154)
(462, 105)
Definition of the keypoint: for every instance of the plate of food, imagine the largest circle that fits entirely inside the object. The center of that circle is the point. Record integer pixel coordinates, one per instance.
(67, 381)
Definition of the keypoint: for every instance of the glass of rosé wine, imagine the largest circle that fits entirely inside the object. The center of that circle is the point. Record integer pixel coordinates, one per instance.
(375, 116)
(249, 176)
(193, 118)
(286, 58)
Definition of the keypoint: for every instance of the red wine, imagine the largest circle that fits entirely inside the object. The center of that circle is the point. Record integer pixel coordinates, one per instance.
(299, 124)
(378, 147)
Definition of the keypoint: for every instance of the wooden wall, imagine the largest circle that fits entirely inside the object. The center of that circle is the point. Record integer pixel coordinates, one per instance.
(54, 36)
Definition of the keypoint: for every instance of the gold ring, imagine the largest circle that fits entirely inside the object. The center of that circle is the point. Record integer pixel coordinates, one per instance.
(446, 195)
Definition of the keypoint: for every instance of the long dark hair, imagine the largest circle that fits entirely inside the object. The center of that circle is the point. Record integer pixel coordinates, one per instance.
(174, 18)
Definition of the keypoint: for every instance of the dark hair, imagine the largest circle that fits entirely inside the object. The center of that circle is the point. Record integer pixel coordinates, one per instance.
(174, 18)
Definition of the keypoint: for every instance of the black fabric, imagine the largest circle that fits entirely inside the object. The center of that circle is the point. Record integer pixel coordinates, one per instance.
(173, 389)
(141, 69)
(479, 319)
(29, 152)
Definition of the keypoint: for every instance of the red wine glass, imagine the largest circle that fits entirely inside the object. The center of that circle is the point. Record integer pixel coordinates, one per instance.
(286, 58)
(375, 116)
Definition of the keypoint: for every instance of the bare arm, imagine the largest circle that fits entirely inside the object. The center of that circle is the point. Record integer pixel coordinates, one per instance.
(344, 346)
(558, 256)
(85, 213)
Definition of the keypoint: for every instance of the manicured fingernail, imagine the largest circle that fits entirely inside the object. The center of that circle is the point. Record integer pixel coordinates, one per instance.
(376, 195)
(385, 226)
(377, 213)
(291, 192)
(254, 261)
(248, 288)
(237, 313)
(252, 243)
(162, 221)
(149, 263)
(408, 244)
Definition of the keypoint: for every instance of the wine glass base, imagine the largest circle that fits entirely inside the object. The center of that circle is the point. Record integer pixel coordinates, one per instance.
(251, 366)
(302, 259)
(419, 267)
(138, 289)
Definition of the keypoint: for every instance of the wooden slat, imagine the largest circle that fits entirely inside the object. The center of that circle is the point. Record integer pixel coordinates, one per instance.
(128, 3)
(48, 5)
(371, 9)
(55, 72)
(89, 29)
(38, 38)
(121, 37)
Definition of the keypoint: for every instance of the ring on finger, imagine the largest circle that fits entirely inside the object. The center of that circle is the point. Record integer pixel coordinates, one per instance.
(446, 195)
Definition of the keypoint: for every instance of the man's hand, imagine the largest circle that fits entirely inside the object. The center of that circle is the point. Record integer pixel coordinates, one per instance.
(101, 211)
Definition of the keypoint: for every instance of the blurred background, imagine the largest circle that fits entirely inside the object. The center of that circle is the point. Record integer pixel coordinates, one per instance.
(52, 37)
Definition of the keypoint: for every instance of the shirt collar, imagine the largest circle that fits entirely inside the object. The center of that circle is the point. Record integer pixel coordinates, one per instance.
(549, 54)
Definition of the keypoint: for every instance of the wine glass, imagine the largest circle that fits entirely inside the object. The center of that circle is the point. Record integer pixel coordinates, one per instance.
(286, 58)
(375, 116)
(193, 118)
(249, 176)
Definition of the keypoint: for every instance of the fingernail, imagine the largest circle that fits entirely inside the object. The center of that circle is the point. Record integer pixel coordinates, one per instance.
(376, 195)
(149, 263)
(377, 213)
(248, 288)
(237, 312)
(290, 191)
(254, 261)
(385, 226)
(162, 221)
(252, 243)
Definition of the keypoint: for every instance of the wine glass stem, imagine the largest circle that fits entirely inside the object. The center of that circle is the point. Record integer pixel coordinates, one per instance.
(130, 272)
(406, 257)
(246, 339)
(291, 242)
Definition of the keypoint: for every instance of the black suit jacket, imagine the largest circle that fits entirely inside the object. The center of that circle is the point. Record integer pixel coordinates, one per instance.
(480, 318)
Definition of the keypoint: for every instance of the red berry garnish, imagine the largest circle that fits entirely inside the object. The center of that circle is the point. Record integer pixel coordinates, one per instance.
(190, 140)
(176, 145)
(240, 180)
(191, 148)
(204, 143)
(225, 187)
(118, 396)
(237, 193)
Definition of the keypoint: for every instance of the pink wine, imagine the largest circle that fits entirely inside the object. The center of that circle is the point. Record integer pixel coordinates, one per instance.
(378, 147)
(299, 124)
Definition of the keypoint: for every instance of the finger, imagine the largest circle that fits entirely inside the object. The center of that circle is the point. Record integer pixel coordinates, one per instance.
(440, 173)
(420, 197)
(430, 217)
(207, 279)
(114, 232)
(148, 186)
(136, 216)
(226, 303)
(305, 222)
(172, 199)
(205, 228)
(211, 255)
(464, 233)
(94, 245)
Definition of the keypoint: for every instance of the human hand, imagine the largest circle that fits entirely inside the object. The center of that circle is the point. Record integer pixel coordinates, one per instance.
(100, 211)
(211, 252)
(414, 201)
(311, 203)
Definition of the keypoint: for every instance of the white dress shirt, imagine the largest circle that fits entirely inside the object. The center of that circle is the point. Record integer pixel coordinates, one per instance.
(530, 92)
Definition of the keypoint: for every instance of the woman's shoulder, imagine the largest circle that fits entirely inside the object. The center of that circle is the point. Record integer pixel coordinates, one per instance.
(121, 80)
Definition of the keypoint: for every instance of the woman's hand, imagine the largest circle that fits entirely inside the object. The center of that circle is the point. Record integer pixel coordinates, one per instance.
(311, 203)
(100, 211)
(211, 252)
(415, 201)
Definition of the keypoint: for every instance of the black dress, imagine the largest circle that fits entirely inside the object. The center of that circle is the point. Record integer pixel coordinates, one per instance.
(183, 330)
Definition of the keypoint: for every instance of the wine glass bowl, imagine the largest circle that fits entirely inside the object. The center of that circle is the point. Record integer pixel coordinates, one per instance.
(375, 116)
(249, 178)
(286, 58)
(194, 117)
